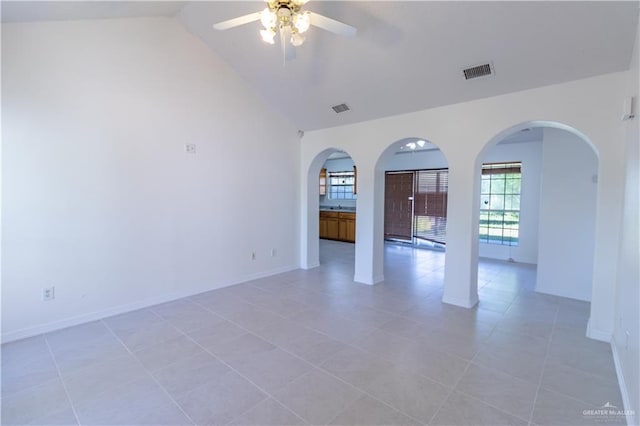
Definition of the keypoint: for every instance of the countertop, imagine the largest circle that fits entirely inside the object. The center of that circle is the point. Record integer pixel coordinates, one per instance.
(337, 209)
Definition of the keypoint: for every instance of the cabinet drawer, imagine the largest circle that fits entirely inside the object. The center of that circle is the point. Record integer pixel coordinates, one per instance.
(327, 215)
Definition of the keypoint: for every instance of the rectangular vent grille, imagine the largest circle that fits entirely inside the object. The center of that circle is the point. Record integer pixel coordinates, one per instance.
(340, 108)
(477, 71)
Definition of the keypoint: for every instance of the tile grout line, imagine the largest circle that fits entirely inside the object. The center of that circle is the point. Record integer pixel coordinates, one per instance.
(375, 308)
(383, 358)
(147, 371)
(453, 389)
(264, 391)
(544, 366)
(316, 367)
(64, 385)
(502, 410)
(31, 387)
(467, 369)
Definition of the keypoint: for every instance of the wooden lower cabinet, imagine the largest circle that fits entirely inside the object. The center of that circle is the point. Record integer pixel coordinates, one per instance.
(323, 228)
(333, 229)
(338, 226)
(350, 226)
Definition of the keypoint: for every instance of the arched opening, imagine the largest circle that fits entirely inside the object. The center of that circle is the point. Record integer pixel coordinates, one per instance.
(410, 214)
(331, 213)
(535, 206)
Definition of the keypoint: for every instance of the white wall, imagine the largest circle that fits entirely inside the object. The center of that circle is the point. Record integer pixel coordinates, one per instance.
(567, 216)
(99, 196)
(416, 160)
(590, 107)
(627, 325)
(337, 165)
(530, 154)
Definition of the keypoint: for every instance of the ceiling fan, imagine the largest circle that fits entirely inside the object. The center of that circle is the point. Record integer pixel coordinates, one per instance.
(286, 18)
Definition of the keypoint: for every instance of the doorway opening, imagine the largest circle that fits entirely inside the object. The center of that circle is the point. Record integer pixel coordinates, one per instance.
(417, 228)
(316, 250)
(338, 192)
(537, 208)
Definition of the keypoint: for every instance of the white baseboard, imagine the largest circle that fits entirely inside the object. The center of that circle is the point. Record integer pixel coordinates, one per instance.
(23, 333)
(369, 281)
(519, 260)
(310, 265)
(595, 334)
(268, 273)
(631, 418)
(465, 303)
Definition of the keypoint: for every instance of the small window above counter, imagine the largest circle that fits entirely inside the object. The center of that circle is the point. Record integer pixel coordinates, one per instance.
(338, 178)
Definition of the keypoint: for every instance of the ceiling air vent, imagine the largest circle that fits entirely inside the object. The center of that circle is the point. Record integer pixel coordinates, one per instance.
(478, 71)
(340, 108)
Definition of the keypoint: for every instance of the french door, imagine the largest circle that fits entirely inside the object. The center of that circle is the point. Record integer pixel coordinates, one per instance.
(416, 205)
(398, 205)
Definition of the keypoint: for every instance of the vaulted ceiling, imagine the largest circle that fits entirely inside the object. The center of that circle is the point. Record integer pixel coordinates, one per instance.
(407, 56)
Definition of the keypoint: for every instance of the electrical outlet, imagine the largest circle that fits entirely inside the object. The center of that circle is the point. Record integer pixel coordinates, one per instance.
(253, 255)
(48, 293)
(190, 148)
(273, 252)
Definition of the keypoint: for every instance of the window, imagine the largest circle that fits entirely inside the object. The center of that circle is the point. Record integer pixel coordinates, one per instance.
(341, 185)
(500, 203)
(430, 205)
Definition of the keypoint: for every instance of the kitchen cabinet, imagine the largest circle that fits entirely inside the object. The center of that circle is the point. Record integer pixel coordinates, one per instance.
(339, 226)
(347, 227)
(329, 225)
(323, 228)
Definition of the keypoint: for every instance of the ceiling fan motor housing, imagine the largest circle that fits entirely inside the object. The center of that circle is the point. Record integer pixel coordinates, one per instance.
(284, 15)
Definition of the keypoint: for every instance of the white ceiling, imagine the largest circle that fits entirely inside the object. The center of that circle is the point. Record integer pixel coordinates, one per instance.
(29, 11)
(407, 56)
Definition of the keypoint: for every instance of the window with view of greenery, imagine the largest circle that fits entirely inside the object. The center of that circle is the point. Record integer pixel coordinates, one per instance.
(341, 185)
(500, 203)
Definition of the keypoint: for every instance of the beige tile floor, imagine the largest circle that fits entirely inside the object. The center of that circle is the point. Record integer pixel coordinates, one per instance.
(312, 347)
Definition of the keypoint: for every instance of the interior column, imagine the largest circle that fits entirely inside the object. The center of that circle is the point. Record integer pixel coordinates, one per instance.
(461, 264)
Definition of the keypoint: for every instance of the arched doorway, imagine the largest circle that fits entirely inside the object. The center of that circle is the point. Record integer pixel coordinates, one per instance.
(331, 212)
(411, 181)
(535, 206)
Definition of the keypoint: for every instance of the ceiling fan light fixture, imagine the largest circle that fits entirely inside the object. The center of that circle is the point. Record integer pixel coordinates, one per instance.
(297, 39)
(268, 36)
(286, 18)
(302, 21)
(268, 18)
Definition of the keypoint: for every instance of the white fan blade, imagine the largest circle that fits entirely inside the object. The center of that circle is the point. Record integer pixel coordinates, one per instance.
(332, 25)
(235, 22)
